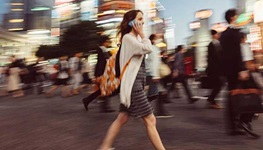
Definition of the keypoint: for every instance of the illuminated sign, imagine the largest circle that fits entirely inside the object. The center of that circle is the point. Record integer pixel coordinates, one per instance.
(151, 13)
(88, 10)
(17, 4)
(116, 5)
(258, 11)
(203, 14)
(243, 17)
(65, 11)
(219, 27)
(15, 29)
(55, 14)
(42, 8)
(255, 38)
(194, 25)
(16, 20)
(55, 31)
(59, 2)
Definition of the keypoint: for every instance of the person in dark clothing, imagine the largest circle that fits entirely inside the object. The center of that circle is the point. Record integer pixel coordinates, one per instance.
(103, 55)
(169, 79)
(38, 74)
(179, 73)
(164, 58)
(26, 77)
(165, 81)
(233, 67)
(214, 68)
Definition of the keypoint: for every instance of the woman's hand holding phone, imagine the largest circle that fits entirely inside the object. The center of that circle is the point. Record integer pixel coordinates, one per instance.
(138, 27)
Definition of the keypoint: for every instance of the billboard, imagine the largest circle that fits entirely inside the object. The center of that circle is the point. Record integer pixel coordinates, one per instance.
(88, 9)
(258, 13)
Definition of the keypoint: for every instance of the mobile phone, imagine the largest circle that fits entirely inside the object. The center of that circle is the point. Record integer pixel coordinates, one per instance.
(131, 23)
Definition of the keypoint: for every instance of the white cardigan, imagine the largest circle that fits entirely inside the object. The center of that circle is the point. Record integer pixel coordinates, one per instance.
(133, 48)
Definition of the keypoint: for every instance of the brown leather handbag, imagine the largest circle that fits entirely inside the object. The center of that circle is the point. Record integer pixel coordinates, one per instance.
(246, 98)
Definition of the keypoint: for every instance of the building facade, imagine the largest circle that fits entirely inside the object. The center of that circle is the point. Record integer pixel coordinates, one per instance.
(14, 19)
(255, 29)
(110, 15)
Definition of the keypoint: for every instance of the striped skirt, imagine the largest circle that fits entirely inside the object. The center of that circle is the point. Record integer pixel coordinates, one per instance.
(140, 106)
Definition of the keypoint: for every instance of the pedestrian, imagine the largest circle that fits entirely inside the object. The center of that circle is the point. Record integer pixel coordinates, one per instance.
(233, 66)
(25, 75)
(75, 65)
(38, 74)
(2, 74)
(169, 61)
(247, 54)
(13, 78)
(156, 89)
(214, 69)
(102, 55)
(179, 73)
(61, 78)
(86, 69)
(248, 59)
(173, 90)
(134, 102)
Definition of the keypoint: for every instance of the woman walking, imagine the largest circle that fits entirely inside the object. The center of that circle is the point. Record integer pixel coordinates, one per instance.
(13, 79)
(134, 102)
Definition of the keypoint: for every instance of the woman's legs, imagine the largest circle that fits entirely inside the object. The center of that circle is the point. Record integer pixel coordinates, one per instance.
(114, 130)
(18, 93)
(65, 91)
(150, 124)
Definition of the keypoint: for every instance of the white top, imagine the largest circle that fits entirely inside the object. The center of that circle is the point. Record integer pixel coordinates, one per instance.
(63, 74)
(74, 64)
(215, 42)
(246, 52)
(153, 62)
(85, 66)
(133, 48)
(13, 79)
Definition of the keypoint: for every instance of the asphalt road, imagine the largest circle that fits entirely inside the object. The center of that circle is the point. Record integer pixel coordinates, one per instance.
(35, 122)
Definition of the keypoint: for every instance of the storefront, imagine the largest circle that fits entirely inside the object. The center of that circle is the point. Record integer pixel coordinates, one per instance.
(257, 32)
(255, 29)
(13, 44)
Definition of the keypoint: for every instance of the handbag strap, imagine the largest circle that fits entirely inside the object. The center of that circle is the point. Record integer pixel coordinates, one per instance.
(124, 68)
(245, 91)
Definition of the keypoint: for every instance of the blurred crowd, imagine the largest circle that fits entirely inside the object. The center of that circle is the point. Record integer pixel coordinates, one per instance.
(18, 77)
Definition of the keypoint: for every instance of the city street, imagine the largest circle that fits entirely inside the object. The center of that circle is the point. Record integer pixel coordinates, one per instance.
(38, 123)
(47, 45)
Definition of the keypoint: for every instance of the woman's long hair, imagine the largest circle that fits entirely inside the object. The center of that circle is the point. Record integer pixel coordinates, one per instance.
(124, 28)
